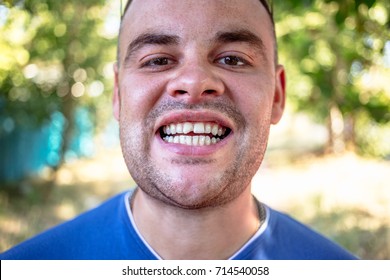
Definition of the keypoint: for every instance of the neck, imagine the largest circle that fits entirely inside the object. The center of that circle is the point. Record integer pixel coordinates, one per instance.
(210, 233)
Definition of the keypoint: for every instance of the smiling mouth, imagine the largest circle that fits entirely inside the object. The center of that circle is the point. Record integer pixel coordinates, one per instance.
(194, 134)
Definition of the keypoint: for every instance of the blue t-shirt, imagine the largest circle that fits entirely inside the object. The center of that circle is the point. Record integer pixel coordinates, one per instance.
(108, 233)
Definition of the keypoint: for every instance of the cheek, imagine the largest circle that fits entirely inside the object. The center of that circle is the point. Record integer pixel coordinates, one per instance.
(139, 95)
(254, 99)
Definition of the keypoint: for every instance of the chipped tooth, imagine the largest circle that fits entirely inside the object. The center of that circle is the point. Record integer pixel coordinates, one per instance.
(179, 128)
(207, 141)
(207, 128)
(173, 128)
(187, 127)
(214, 130)
(198, 128)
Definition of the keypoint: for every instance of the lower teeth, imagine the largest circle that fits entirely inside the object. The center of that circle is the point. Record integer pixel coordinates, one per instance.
(192, 140)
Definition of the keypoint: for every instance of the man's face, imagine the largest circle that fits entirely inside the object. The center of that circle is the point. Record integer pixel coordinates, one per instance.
(196, 91)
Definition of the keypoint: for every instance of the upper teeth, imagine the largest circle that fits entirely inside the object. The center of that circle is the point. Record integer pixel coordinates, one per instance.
(171, 131)
(197, 128)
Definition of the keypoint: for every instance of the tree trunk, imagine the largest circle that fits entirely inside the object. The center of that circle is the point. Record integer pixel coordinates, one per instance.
(336, 144)
(67, 134)
(350, 132)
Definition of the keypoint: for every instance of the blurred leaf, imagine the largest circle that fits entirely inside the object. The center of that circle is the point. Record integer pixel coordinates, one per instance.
(332, 56)
(45, 45)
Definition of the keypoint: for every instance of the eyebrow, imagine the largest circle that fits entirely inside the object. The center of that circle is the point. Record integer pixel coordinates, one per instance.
(244, 36)
(150, 39)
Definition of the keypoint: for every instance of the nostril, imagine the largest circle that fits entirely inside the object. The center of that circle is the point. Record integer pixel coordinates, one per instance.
(181, 91)
(209, 91)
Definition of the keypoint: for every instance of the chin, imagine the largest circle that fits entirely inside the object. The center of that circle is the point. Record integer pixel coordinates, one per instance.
(191, 194)
(196, 195)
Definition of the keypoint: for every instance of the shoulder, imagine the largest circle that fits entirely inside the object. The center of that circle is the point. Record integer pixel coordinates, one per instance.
(76, 238)
(287, 238)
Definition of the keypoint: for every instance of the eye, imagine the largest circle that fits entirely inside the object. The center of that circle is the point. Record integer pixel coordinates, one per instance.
(232, 60)
(157, 62)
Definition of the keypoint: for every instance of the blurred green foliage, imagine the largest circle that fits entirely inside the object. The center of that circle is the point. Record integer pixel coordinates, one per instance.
(57, 55)
(54, 56)
(337, 55)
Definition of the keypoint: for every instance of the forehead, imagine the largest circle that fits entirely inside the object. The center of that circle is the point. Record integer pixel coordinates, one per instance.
(195, 18)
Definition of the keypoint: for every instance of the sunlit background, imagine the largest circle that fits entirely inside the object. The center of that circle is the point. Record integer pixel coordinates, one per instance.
(327, 162)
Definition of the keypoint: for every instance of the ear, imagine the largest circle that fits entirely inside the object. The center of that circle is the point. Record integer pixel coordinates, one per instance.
(116, 102)
(279, 95)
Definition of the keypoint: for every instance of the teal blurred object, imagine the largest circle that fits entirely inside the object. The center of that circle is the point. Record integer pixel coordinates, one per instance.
(26, 151)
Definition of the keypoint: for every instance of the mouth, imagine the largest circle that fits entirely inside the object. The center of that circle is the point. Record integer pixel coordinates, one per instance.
(194, 133)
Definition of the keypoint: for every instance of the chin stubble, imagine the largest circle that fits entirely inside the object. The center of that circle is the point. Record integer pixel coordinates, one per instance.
(231, 182)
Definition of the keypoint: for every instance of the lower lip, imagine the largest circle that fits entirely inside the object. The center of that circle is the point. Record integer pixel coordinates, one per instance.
(187, 150)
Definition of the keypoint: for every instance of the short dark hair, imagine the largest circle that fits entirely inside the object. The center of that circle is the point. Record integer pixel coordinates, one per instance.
(266, 3)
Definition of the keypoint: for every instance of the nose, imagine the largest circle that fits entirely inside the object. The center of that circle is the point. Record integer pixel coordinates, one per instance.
(195, 82)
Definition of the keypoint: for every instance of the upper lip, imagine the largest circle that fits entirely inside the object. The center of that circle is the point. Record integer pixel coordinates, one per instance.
(181, 116)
